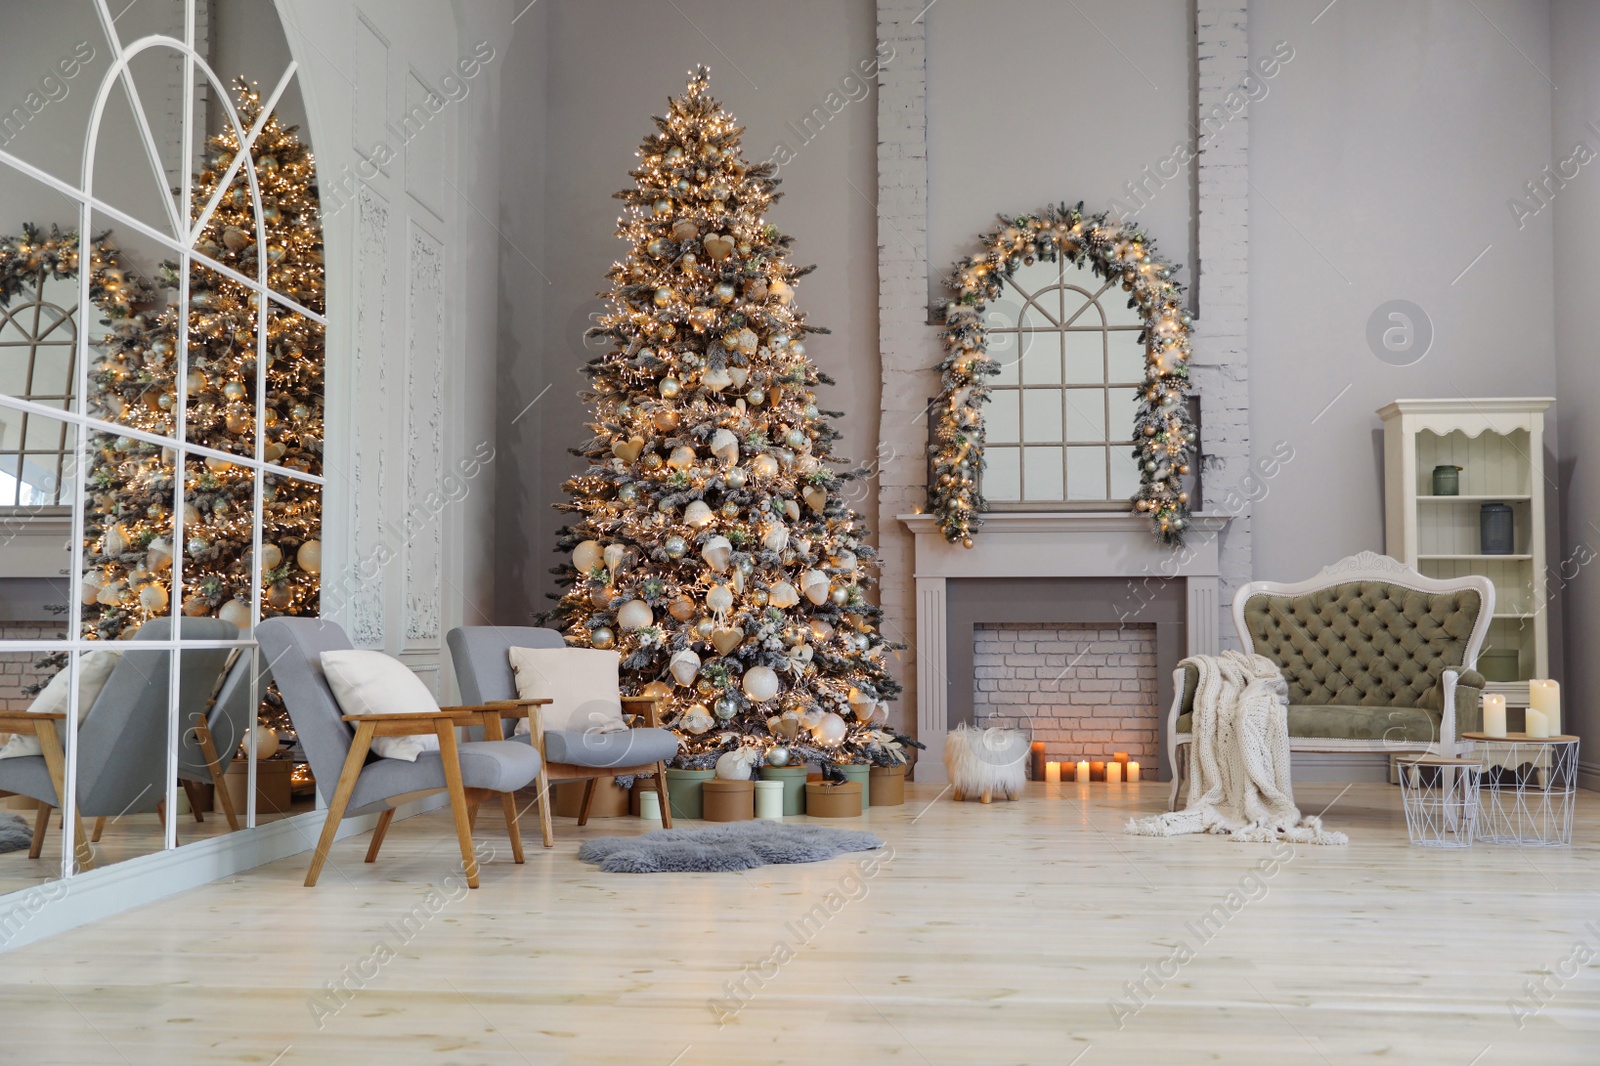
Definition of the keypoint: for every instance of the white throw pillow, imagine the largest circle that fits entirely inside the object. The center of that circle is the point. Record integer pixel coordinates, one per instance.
(370, 682)
(94, 670)
(580, 682)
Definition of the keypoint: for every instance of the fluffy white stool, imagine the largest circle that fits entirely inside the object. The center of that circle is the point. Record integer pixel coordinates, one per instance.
(986, 762)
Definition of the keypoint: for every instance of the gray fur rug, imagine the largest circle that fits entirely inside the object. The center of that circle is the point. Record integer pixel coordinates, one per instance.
(723, 848)
(14, 833)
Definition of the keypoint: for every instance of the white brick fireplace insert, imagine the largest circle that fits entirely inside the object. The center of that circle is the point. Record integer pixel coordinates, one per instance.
(1053, 571)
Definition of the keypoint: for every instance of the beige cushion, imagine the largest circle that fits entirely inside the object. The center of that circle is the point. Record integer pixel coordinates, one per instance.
(370, 682)
(94, 670)
(581, 684)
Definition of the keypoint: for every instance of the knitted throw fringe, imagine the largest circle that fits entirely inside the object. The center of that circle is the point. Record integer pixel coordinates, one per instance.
(1239, 760)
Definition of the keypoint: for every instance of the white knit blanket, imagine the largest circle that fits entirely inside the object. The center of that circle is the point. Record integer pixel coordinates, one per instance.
(1239, 759)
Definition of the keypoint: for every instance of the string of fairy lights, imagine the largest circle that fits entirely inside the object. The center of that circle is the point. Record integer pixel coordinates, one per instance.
(711, 545)
(1165, 434)
(128, 521)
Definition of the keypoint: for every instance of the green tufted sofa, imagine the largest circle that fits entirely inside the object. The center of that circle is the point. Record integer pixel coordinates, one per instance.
(1377, 657)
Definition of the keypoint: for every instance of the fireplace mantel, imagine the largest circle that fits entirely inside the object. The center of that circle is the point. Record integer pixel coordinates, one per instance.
(1042, 545)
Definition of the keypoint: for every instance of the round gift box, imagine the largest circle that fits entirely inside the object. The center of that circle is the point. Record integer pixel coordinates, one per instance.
(684, 787)
(794, 786)
(888, 786)
(833, 799)
(729, 801)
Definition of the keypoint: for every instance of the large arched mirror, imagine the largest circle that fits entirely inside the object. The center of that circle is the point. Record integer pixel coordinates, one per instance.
(1061, 410)
(161, 425)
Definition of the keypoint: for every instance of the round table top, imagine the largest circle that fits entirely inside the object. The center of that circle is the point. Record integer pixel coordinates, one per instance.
(1437, 760)
(1520, 738)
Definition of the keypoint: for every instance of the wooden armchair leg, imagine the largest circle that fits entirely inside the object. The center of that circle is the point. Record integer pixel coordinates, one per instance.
(41, 826)
(508, 803)
(542, 783)
(472, 817)
(661, 791)
(341, 798)
(450, 755)
(588, 798)
(378, 834)
(191, 789)
(219, 782)
(99, 827)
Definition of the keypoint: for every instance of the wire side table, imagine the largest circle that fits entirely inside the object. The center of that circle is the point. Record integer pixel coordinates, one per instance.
(1440, 795)
(1529, 789)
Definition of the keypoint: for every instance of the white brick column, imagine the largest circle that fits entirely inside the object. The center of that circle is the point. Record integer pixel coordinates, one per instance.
(1221, 364)
(906, 344)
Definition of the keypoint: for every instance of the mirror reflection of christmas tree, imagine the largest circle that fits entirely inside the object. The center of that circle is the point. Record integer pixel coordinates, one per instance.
(712, 545)
(129, 528)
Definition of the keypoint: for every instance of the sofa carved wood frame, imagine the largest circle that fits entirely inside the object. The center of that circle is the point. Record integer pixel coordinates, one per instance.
(1356, 569)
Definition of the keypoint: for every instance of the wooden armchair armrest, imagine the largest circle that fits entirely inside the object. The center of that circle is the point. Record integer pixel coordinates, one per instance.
(649, 713)
(27, 723)
(504, 708)
(427, 717)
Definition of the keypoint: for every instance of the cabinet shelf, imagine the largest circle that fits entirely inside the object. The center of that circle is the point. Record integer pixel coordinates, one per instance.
(1496, 444)
(1504, 498)
(1474, 558)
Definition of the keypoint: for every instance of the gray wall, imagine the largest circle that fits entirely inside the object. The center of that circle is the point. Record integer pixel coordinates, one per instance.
(1034, 102)
(1575, 32)
(582, 82)
(1381, 163)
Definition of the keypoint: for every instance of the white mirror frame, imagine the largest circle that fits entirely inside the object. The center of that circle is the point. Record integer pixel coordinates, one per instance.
(180, 243)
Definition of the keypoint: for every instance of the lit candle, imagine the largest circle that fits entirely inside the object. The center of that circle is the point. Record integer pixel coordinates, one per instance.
(1113, 773)
(1538, 724)
(1133, 772)
(1494, 714)
(1082, 773)
(1097, 771)
(1052, 773)
(1545, 697)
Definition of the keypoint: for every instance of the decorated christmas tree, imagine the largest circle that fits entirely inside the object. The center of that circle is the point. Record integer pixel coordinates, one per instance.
(129, 527)
(712, 547)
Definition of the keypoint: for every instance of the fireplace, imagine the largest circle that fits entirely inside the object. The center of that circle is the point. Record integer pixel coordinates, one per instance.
(1083, 690)
(1060, 576)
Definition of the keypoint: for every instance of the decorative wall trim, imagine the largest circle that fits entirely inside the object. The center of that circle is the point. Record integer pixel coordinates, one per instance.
(907, 347)
(1220, 368)
(420, 527)
(368, 451)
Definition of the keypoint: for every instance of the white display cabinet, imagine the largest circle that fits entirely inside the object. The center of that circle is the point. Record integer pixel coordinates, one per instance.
(1499, 446)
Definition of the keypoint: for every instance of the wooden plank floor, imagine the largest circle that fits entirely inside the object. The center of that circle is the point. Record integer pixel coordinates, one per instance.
(999, 934)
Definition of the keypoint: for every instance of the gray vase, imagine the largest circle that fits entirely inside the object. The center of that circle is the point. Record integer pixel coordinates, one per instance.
(1495, 531)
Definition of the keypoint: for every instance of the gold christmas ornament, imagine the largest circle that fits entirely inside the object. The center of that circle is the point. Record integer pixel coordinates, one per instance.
(783, 595)
(587, 556)
(716, 552)
(698, 515)
(628, 450)
(718, 246)
(682, 609)
(725, 446)
(310, 557)
(635, 614)
(726, 638)
(684, 666)
(760, 683)
(716, 379)
(236, 613)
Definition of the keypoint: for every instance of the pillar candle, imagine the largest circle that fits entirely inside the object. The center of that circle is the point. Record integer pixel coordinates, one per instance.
(1097, 771)
(1082, 772)
(1052, 773)
(1545, 697)
(1113, 773)
(650, 806)
(1133, 772)
(1538, 724)
(1036, 750)
(1494, 714)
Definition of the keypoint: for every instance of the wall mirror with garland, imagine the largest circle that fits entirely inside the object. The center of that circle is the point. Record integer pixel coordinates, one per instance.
(1065, 384)
(161, 426)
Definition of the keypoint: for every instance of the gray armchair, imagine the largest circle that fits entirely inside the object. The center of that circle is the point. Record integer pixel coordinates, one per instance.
(338, 745)
(482, 659)
(122, 744)
(213, 734)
